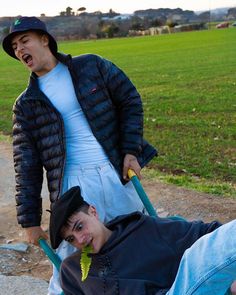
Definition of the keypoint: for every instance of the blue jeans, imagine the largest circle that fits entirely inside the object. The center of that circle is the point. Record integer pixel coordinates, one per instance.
(209, 266)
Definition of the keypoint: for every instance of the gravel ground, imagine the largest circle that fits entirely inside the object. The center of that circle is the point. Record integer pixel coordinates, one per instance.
(32, 268)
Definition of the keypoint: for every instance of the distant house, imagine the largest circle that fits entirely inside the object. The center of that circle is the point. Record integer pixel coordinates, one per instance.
(122, 16)
(151, 31)
(159, 30)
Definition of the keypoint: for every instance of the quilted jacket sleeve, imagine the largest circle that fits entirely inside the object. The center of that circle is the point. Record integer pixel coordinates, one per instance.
(128, 103)
(28, 172)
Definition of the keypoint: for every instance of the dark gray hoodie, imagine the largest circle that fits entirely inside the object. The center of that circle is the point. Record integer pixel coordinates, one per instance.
(141, 257)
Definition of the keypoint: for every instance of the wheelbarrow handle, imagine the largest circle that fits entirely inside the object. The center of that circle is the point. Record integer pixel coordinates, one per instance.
(143, 196)
(54, 258)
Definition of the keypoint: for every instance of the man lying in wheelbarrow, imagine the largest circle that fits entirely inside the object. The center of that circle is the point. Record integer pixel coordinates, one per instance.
(138, 254)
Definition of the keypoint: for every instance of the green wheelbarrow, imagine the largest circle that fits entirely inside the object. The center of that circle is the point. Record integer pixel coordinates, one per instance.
(55, 259)
(144, 198)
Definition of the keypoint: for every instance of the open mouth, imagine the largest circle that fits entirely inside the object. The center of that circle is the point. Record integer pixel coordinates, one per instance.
(89, 244)
(27, 58)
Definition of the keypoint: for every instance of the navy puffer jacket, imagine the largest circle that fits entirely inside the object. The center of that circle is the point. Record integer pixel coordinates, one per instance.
(114, 111)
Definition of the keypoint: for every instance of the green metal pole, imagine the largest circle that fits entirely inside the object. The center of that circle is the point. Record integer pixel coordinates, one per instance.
(143, 196)
(54, 258)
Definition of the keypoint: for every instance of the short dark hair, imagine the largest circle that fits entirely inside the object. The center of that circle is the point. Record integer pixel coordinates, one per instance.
(84, 208)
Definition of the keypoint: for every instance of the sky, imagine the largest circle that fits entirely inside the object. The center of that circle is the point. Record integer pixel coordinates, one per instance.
(54, 7)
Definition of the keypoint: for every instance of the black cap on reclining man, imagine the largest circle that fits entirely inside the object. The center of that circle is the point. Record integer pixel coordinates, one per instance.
(64, 207)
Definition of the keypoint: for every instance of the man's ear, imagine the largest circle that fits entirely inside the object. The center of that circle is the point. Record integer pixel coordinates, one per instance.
(92, 211)
(45, 40)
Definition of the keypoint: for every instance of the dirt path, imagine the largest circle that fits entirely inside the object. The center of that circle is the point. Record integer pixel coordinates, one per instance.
(167, 198)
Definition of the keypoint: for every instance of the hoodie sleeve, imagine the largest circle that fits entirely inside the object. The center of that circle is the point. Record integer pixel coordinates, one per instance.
(181, 234)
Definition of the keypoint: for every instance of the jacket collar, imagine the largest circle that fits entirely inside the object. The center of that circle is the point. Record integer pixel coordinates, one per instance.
(33, 91)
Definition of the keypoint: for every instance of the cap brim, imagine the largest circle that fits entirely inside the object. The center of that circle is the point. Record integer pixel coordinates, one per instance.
(55, 236)
(57, 220)
(6, 44)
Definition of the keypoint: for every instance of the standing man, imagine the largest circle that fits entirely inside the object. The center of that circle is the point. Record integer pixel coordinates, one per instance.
(80, 119)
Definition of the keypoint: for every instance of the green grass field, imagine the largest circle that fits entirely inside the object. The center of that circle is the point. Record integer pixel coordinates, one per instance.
(188, 86)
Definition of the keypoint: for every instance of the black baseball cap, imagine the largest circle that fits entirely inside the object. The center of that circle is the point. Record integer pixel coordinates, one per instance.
(62, 209)
(23, 24)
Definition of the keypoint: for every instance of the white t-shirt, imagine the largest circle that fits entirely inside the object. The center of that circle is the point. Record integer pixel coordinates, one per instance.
(82, 148)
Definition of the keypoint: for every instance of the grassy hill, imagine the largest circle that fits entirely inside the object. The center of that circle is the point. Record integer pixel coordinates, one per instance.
(188, 86)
